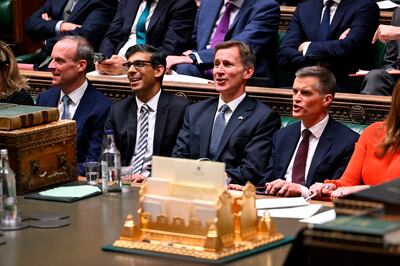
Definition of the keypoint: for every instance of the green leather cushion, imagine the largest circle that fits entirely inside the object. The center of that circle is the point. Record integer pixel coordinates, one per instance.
(356, 127)
(5, 15)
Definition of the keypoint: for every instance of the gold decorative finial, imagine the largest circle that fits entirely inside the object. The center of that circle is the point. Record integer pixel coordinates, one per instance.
(130, 230)
(266, 226)
(213, 241)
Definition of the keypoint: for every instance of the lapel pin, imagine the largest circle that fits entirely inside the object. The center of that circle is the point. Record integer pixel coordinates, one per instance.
(240, 117)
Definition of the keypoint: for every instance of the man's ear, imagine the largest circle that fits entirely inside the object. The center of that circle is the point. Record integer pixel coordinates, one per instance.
(82, 65)
(159, 71)
(248, 72)
(327, 100)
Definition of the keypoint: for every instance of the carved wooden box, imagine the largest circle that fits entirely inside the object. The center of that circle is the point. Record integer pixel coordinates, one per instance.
(42, 156)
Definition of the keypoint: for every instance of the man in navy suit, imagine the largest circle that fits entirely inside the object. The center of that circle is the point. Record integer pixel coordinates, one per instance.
(146, 67)
(232, 128)
(75, 97)
(254, 22)
(342, 45)
(169, 25)
(327, 148)
(56, 18)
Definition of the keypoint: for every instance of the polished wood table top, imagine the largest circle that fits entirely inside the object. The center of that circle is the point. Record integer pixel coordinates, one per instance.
(96, 222)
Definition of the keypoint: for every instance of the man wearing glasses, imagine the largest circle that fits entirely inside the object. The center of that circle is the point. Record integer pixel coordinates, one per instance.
(148, 122)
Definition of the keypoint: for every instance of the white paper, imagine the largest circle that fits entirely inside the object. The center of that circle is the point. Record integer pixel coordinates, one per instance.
(97, 74)
(70, 191)
(280, 203)
(321, 218)
(295, 212)
(386, 4)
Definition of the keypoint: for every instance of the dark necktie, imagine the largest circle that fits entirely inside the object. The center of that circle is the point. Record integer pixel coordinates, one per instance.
(299, 165)
(223, 25)
(141, 24)
(218, 130)
(66, 102)
(323, 32)
(141, 146)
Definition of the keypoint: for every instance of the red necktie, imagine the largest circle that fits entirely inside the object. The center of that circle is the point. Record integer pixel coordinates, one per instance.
(299, 165)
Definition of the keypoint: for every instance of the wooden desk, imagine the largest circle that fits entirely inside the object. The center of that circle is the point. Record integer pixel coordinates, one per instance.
(96, 222)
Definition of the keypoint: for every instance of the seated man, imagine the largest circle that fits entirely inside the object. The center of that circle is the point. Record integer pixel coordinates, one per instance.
(232, 128)
(380, 81)
(313, 149)
(75, 97)
(86, 18)
(164, 24)
(337, 36)
(147, 123)
(252, 22)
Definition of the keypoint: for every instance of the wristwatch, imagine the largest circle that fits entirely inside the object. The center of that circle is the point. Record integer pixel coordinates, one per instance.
(194, 58)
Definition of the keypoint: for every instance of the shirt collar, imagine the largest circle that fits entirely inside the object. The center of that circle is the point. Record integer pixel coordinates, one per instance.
(335, 1)
(318, 128)
(152, 104)
(237, 3)
(77, 94)
(232, 104)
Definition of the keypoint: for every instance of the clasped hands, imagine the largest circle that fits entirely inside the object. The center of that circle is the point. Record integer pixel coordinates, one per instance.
(65, 26)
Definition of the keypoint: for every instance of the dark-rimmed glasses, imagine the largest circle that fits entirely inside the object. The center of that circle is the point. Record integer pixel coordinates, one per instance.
(137, 64)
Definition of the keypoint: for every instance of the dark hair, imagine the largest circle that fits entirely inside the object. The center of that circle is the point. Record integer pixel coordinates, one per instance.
(326, 79)
(156, 56)
(246, 53)
(84, 50)
(13, 81)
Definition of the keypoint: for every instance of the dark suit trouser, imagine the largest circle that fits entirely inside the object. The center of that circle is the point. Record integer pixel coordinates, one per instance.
(378, 82)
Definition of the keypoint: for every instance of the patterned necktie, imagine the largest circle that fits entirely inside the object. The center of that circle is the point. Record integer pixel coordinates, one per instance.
(323, 32)
(223, 25)
(218, 130)
(299, 165)
(141, 24)
(141, 146)
(66, 102)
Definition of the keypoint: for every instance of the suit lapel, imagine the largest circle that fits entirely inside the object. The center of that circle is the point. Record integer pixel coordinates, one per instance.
(78, 6)
(288, 147)
(245, 6)
(206, 123)
(161, 8)
(314, 20)
(212, 12)
(59, 8)
(339, 16)
(323, 147)
(161, 122)
(130, 13)
(244, 109)
(131, 128)
(84, 107)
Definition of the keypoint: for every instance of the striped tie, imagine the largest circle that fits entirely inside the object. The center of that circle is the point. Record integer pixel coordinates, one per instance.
(66, 102)
(218, 130)
(141, 146)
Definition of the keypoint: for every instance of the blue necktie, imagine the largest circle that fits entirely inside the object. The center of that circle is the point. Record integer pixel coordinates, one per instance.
(141, 25)
(141, 146)
(66, 102)
(218, 130)
(323, 32)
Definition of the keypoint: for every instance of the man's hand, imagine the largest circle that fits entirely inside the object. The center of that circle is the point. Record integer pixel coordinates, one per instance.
(46, 16)
(68, 26)
(386, 33)
(134, 179)
(187, 52)
(344, 34)
(303, 46)
(112, 66)
(235, 187)
(173, 60)
(282, 188)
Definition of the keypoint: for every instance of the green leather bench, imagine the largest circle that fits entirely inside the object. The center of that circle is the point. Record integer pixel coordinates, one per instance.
(5, 18)
(356, 127)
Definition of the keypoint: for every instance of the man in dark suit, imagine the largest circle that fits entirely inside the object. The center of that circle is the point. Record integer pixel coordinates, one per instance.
(168, 27)
(138, 137)
(56, 18)
(381, 81)
(232, 128)
(250, 21)
(339, 39)
(75, 97)
(313, 149)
